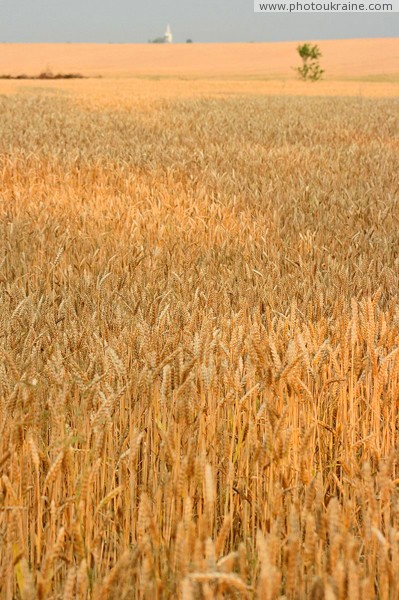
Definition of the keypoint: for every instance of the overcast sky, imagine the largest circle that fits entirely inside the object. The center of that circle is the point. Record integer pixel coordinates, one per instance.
(202, 20)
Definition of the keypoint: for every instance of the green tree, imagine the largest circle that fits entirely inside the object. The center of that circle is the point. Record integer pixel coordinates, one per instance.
(310, 68)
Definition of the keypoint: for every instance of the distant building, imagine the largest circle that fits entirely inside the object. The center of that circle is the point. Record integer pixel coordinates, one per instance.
(167, 38)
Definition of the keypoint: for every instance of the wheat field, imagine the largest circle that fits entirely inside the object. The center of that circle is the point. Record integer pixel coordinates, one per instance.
(353, 58)
(199, 340)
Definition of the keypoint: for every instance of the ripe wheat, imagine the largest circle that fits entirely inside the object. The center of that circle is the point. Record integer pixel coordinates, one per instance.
(199, 330)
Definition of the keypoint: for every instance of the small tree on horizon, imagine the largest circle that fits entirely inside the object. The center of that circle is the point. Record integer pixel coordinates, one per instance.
(310, 68)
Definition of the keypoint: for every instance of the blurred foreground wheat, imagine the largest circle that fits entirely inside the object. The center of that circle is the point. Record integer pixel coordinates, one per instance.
(199, 348)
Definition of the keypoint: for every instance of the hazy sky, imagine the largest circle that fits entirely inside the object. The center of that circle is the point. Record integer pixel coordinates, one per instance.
(201, 20)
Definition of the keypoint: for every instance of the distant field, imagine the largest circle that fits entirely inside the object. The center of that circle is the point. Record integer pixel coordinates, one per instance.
(131, 91)
(341, 58)
(368, 68)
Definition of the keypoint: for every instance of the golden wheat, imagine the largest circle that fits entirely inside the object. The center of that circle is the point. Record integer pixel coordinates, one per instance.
(199, 329)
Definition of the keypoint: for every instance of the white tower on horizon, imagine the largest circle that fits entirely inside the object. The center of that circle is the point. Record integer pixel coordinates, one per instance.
(168, 37)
